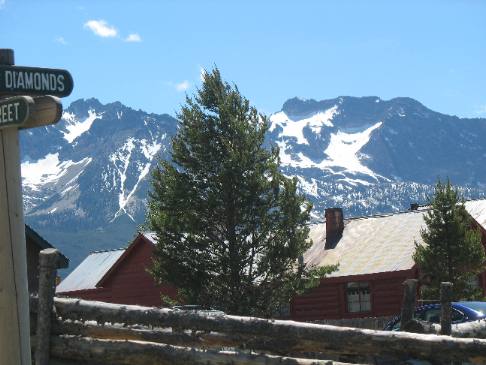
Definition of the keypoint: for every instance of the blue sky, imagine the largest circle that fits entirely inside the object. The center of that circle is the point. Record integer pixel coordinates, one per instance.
(148, 54)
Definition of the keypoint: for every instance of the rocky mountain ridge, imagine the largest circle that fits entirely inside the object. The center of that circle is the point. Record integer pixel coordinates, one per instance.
(86, 178)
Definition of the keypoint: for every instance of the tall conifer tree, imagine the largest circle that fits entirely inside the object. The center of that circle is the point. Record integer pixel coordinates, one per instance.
(453, 251)
(230, 226)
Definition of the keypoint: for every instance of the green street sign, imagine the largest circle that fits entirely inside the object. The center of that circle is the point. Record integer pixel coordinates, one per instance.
(19, 80)
(15, 111)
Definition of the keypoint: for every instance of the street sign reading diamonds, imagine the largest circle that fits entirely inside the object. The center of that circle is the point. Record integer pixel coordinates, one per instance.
(18, 80)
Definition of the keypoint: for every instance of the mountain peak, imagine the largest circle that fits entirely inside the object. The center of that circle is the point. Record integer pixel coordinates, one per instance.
(91, 103)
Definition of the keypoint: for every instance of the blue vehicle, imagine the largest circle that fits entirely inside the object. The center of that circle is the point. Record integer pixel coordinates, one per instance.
(461, 312)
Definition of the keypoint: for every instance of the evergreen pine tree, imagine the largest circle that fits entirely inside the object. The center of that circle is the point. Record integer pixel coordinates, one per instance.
(453, 251)
(230, 226)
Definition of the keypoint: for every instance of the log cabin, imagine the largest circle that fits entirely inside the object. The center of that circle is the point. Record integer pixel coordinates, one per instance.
(118, 276)
(375, 256)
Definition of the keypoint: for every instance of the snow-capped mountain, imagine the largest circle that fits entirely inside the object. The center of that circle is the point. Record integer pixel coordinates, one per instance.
(86, 178)
(368, 155)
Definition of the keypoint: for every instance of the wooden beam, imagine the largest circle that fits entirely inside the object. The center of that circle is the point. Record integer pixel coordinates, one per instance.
(14, 296)
(446, 308)
(408, 303)
(48, 263)
(203, 339)
(290, 335)
(121, 352)
(46, 110)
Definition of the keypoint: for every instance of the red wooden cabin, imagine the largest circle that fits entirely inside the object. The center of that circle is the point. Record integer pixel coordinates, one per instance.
(118, 276)
(374, 256)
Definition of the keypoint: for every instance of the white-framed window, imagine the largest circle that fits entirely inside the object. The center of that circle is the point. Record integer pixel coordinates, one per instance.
(358, 297)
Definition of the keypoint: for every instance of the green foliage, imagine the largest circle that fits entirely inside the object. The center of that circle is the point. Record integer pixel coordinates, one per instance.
(230, 225)
(453, 251)
(312, 277)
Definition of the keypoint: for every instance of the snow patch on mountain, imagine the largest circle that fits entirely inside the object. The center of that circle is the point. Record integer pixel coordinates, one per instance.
(121, 159)
(342, 154)
(344, 147)
(47, 170)
(295, 128)
(308, 187)
(149, 150)
(76, 128)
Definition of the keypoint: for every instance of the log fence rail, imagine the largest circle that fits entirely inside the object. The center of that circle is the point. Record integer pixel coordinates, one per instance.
(113, 334)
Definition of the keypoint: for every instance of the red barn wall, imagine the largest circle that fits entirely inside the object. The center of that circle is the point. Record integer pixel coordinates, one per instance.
(387, 295)
(322, 302)
(328, 300)
(128, 282)
(99, 294)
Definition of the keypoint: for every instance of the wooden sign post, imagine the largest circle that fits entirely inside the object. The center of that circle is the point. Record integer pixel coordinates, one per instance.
(15, 113)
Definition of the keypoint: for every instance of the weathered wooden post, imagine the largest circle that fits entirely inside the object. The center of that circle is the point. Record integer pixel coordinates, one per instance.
(48, 264)
(408, 303)
(23, 111)
(446, 308)
(14, 295)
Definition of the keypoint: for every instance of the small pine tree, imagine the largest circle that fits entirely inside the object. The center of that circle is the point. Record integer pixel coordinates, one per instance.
(453, 251)
(230, 226)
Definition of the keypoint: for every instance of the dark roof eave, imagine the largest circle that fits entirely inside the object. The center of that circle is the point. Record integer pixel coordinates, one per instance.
(43, 244)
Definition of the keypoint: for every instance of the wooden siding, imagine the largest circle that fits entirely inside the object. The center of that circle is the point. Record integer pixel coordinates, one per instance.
(128, 281)
(323, 302)
(387, 296)
(328, 300)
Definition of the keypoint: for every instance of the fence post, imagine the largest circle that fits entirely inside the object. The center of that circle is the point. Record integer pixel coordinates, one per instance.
(48, 264)
(446, 308)
(408, 303)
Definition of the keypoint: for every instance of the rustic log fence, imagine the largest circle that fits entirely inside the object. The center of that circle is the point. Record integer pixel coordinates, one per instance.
(371, 323)
(113, 334)
(446, 308)
(48, 264)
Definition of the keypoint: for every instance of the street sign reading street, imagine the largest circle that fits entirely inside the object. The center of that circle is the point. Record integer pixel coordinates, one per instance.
(46, 110)
(15, 111)
(19, 80)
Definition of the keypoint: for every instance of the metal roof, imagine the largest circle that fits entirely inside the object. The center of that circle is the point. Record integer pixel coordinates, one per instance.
(377, 244)
(90, 271)
(151, 236)
(477, 210)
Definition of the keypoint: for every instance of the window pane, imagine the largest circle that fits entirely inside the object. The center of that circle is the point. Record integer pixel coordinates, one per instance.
(457, 316)
(358, 297)
(366, 302)
(353, 307)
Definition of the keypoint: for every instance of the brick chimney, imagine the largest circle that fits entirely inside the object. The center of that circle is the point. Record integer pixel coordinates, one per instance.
(334, 226)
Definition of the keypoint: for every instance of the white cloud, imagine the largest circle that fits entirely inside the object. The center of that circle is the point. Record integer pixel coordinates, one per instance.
(2, 3)
(61, 40)
(134, 37)
(101, 28)
(182, 86)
